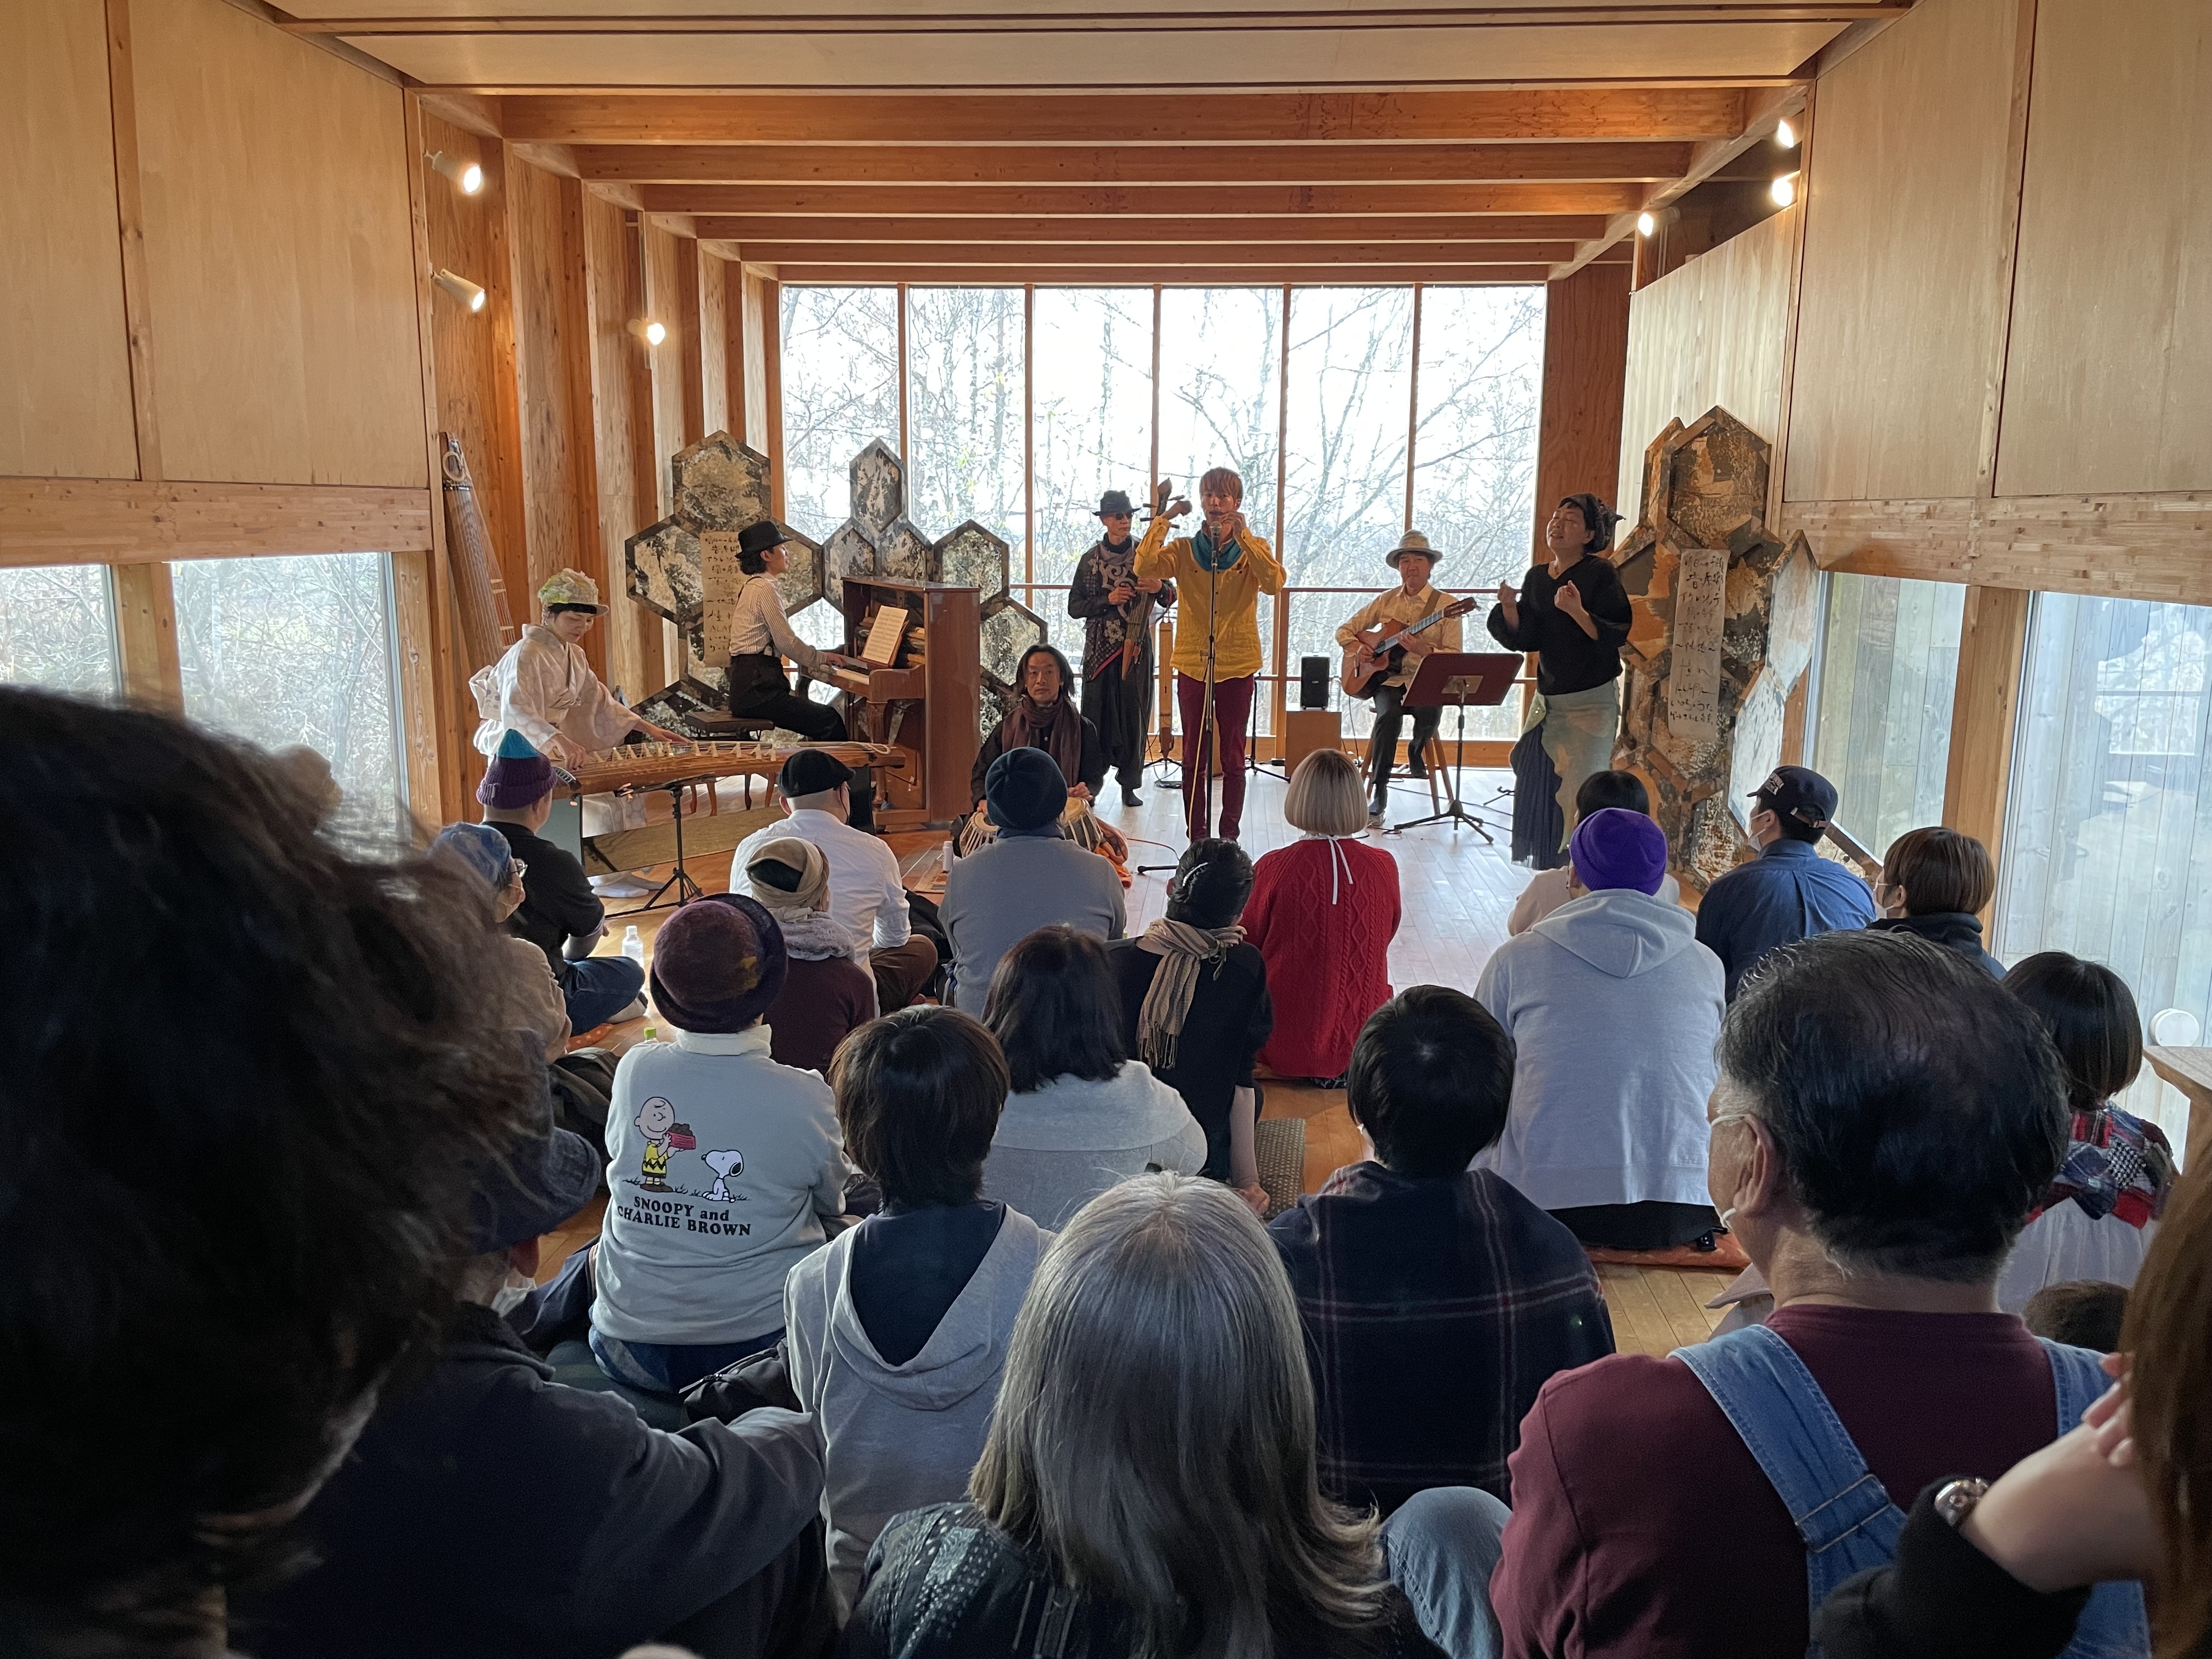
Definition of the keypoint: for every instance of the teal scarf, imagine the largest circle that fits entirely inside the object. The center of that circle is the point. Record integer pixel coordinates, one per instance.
(1210, 557)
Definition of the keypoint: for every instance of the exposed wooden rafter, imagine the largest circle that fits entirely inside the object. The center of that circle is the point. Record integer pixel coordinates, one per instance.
(1138, 201)
(1035, 230)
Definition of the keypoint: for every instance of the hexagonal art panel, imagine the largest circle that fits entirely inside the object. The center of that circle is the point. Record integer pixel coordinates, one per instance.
(971, 557)
(848, 552)
(719, 484)
(879, 488)
(1009, 631)
(904, 555)
(800, 585)
(992, 705)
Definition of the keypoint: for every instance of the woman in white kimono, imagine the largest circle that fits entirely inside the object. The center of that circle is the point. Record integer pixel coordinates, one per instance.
(545, 688)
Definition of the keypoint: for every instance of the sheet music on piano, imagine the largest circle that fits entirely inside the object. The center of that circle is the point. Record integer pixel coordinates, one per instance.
(885, 635)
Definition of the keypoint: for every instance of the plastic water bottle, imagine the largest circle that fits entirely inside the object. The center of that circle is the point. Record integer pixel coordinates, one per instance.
(633, 947)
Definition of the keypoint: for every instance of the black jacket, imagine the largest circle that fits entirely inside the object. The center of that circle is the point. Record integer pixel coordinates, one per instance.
(1953, 929)
(557, 900)
(492, 1511)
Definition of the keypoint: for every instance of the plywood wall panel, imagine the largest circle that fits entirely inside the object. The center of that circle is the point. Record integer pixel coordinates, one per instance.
(665, 254)
(757, 321)
(622, 422)
(1710, 332)
(2108, 376)
(1901, 308)
(1585, 356)
(714, 316)
(552, 351)
(280, 289)
(64, 356)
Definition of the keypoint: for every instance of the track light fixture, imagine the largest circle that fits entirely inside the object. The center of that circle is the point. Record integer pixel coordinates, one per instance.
(1784, 189)
(1785, 135)
(1646, 224)
(461, 288)
(466, 176)
(647, 330)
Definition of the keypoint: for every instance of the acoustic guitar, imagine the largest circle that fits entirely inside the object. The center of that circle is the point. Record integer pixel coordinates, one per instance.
(1365, 671)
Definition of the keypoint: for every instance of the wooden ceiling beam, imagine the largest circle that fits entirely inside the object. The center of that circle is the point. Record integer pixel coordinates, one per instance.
(1160, 164)
(1162, 256)
(1154, 230)
(1172, 277)
(1169, 201)
(1520, 114)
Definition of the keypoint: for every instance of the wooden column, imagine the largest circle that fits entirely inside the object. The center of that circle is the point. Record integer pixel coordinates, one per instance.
(622, 424)
(718, 344)
(1585, 376)
(1992, 640)
(145, 636)
(771, 355)
(756, 320)
(449, 773)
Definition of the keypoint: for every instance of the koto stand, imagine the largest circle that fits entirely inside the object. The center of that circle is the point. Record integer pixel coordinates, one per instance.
(1453, 679)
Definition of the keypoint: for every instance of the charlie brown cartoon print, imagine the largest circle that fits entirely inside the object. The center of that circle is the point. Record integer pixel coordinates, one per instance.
(656, 1122)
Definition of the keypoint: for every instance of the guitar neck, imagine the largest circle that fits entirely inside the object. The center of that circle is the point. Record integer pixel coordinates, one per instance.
(1411, 629)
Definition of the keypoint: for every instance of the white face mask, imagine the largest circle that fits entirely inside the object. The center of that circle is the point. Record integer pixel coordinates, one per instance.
(519, 1284)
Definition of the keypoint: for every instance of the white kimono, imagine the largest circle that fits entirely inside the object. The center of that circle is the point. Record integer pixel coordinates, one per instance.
(543, 685)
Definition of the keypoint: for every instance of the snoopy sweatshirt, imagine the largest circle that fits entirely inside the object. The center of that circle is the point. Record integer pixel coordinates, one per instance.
(720, 1166)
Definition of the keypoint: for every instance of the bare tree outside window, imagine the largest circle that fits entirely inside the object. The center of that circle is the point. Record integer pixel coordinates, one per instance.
(1882, 715)
(282, 651)
(840, 368)
(1351, 379)
(964, 392)
(1093, 416)
(58, 630)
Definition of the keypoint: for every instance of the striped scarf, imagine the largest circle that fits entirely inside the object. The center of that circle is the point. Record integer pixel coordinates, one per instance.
(1181, 948)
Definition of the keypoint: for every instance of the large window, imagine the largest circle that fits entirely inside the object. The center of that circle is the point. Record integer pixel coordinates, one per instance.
(297, 650)
(840, 368)
(1091, 421)
(2108, 827)
(963, 456)
(1889, 663)
(58, 630)
(1344, 470)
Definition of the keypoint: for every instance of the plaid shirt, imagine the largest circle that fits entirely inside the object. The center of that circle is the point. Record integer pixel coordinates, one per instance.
(1434, 1309)
(2116, 1164)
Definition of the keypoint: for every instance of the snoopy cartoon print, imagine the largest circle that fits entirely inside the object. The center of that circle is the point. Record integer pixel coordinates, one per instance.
(725, 1162)
(656, 1122)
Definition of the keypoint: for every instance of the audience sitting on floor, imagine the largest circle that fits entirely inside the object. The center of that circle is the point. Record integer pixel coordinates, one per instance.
(1195, 1009)
(897, 1331)
(2009, 1570)
(247, 1093)
(1789, 892)
(1436, 1299)
(1044, 716)
(2097, 1218)
(1148, 1483)
(559, 913)
(533, 995)
(826, 992)
(1323, 913)
(487, 1510)
(1886, 1115)
(866, 896)
(1612, 1006)
(2087, 1312)
(1547, 890)
(1933, 883)
(1031, 876)
(722, 1166)
(1080, 1115)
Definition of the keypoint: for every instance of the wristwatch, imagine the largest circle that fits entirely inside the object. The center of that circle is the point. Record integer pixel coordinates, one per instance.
(1955, 1499)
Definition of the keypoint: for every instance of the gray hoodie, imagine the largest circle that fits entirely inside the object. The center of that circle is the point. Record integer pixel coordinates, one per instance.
(896, 1438)
(1614, 1008)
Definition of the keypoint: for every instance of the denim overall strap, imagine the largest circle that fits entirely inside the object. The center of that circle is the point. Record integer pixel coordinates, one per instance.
(2114, 1625)
(1841, 1510)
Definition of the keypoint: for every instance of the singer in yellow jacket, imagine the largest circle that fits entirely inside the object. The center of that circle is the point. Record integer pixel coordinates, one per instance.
(1219, 573)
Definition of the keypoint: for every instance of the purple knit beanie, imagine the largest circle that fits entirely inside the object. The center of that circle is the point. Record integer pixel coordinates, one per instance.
(718, 963)
(1616, 848)
(519, 776)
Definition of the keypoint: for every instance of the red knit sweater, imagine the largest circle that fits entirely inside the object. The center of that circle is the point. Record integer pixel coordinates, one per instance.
(1326, 952)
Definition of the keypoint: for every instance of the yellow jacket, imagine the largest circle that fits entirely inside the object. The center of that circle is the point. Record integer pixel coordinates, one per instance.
(1236, 642)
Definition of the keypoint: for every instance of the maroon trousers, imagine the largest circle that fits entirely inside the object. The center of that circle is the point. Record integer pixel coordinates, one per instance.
(1233, 711)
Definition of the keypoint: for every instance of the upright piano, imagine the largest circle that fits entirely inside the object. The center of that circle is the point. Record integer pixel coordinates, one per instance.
(926, 701)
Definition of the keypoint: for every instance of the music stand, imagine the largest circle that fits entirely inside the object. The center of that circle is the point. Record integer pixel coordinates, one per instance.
(1453, 679)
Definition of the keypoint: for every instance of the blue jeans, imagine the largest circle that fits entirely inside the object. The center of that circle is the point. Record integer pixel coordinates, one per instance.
(669, 1367)
(1439, 1548)
(598, 989)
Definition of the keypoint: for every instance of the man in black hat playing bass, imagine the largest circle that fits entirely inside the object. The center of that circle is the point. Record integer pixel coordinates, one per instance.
(1385, 677)
(1118, 607)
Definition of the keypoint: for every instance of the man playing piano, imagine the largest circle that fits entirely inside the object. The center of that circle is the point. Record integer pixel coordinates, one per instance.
(1412, 601)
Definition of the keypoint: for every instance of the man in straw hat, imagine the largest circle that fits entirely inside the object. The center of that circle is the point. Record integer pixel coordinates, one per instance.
(1117, 606)
(1412, 601)
(544, 687)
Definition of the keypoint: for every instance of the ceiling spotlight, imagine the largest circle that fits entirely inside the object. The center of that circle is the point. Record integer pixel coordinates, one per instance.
(1785, 135)
(1784, 189)
(651, 332)
(461, 288)
(467, 176)
(1646, 224)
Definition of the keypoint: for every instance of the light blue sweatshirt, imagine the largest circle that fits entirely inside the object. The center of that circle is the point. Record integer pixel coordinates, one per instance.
(1614, 1008)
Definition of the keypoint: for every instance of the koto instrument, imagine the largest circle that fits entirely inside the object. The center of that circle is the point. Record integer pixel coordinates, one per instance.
(657, 765)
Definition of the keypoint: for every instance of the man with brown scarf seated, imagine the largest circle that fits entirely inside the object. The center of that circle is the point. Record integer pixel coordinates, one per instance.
(1044, 716)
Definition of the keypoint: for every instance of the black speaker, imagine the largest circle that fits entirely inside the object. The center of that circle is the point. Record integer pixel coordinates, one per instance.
(1313, 681)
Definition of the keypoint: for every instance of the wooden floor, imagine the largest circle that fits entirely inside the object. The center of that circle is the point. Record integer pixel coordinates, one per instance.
(1456, 891)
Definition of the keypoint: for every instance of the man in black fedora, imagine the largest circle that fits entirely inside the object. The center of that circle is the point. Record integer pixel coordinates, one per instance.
(1118, 608)
(1412, 600)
